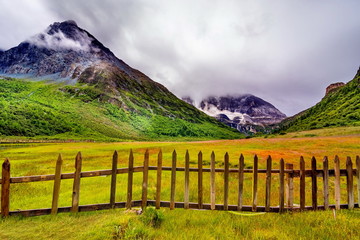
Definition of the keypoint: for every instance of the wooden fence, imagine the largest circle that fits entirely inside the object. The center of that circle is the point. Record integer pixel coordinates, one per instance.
(286, 174)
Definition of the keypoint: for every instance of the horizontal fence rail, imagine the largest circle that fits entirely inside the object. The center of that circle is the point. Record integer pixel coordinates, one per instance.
(286, 175)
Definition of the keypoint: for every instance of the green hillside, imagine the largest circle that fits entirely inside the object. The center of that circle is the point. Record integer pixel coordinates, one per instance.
(339, 108)
(48, 110)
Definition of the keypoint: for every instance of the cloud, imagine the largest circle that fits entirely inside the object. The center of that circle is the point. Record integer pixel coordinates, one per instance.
(285, 51)
(58, 41)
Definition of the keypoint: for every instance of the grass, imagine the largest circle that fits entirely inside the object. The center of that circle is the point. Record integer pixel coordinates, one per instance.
(49, 110)
(35, 159)
(185, 224)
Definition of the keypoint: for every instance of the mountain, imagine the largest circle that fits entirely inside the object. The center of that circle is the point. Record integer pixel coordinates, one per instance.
(246, 113)
(92, 93)
(339, 107)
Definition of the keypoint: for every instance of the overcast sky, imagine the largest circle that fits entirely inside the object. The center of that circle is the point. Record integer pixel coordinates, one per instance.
(284, 51)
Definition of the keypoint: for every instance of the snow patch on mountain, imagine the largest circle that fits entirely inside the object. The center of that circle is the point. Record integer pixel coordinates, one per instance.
(213, 111)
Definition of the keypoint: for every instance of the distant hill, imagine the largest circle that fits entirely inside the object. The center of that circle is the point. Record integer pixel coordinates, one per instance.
(92, 94)
(246, 113)
(339, 107)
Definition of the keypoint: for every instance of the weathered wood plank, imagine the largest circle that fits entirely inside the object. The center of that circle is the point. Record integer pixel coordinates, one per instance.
(314, 184)
(5, 188)
(130, 180)
(358, 177)
(226, 181)
(337, 182)
(241, 182)
(268, 184)
(350, 183)
(200, 180)
(207, 206)
(106, 172)
(173, 181)
(254, 184)
(97, 173)
(326, 182)
(212, 181)
(187, 179)
(145, 180)
(282, 186)
(76, 185)
(289, 186)
(158, 181)
(82, 208)
(136, 203)
(113, 179)
(302, 184)
(57, 183)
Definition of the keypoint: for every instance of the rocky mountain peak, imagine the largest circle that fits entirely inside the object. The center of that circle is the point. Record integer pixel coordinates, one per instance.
(61, 36)
(247, 113)
(332, 87)
(63, 51)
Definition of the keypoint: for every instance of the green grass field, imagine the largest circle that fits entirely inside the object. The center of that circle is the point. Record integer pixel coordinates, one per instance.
(36, 159)
(185, 224)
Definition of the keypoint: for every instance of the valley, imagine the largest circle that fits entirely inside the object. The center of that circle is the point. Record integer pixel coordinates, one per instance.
(35, 159)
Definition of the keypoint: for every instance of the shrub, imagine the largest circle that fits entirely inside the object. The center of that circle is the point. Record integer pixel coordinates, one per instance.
(152, 217)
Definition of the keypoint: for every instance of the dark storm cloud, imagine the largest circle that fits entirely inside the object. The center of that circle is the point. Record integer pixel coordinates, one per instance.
(284, 51)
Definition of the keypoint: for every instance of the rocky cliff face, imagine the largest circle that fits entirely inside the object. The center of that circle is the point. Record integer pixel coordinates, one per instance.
(246, 113)
(333, 87)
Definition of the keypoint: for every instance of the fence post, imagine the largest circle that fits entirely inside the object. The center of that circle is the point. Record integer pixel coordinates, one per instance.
(57, 182)
(158, 182)
(212, 181)
(145, 180)
(314, 183)
(337, 182)
(187, 179)
(173, 181)
(130, 180)
(358, 177)
(282, 186)
(326, 182)
(241, 182)
(76, 185)
(5, 188)
(226, 181)
(302, 184)
(268, 183)
(200, 180)
(350, 183)
(254, 184)
(289, 186)
(113, 179)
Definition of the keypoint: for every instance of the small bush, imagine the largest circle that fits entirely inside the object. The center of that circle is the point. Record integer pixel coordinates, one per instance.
(152, 217)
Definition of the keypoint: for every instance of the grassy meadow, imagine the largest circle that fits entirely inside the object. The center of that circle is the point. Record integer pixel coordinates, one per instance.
(37, 159)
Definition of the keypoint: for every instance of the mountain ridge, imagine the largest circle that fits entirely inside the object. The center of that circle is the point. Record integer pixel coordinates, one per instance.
(339, 107)
(92, 74)
(244, 112)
